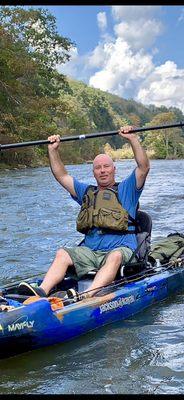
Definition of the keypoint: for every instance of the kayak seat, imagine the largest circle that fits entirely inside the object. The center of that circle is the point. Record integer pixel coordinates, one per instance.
(85, 281)
(143, 235)
(139, 259)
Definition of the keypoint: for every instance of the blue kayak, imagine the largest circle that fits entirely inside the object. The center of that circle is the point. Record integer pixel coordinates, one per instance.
(30, 323)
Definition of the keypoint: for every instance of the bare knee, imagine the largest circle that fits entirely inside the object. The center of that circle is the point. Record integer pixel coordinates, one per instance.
(64, 257)
(115, 257)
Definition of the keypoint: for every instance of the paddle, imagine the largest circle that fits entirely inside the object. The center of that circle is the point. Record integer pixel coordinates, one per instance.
(89, 136)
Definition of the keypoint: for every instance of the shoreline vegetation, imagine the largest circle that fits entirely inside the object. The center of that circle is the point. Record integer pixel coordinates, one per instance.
(117, 155)
(37, 101)
(38, 157)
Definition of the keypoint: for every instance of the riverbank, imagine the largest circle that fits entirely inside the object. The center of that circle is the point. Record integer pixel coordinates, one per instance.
(8, 167)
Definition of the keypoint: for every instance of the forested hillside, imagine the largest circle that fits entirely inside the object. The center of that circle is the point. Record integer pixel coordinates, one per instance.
(36, 101)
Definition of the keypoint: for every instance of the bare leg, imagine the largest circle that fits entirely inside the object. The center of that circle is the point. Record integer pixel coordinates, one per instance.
(57, 270)
(107, 273)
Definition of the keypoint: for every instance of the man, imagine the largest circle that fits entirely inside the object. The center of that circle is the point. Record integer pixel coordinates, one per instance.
(107, 217)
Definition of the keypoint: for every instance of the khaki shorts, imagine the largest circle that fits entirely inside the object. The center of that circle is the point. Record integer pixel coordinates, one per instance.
(85, 259)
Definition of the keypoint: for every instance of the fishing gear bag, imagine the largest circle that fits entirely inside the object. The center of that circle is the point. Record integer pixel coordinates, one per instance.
(167, 249)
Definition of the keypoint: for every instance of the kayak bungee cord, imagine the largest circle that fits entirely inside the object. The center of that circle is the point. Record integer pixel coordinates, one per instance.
(155, 270)
(133, 278)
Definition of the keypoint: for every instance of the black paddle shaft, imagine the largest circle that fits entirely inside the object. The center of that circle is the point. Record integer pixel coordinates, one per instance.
(89, 136)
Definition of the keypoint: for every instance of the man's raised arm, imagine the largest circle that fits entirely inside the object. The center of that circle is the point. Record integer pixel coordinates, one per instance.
(58, 169)
(143, 164)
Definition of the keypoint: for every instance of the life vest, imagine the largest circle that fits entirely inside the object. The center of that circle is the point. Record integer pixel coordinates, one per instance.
(102, 209)
(167, 249)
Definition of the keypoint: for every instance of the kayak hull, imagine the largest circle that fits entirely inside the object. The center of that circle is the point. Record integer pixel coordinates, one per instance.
(35, 325)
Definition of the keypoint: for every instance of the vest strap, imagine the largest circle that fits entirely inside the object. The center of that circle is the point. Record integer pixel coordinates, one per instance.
(113, 232)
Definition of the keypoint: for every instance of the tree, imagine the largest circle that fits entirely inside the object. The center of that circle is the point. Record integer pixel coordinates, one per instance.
(36, 30)
(29, 82)
(134, 119)
(165, 143)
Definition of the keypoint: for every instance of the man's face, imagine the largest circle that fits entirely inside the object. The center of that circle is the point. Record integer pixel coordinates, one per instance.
(104, 170)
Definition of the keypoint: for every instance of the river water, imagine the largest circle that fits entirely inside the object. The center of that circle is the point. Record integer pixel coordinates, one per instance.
(142, 355)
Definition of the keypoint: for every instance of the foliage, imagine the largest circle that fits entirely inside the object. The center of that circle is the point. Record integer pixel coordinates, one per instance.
(123, 153)
(36, 30)
(29, 82)
(165, 143)
(36, 101)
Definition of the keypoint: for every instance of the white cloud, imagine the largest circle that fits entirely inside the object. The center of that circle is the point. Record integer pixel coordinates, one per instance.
(164, 86)
(137, 25)
(123, 63)
(102, 20)
(134, 12)
(181, 17)
(126, 65)
(70, 67)
(79, 67)
(139, 34)
(97, 58)
(121, 67)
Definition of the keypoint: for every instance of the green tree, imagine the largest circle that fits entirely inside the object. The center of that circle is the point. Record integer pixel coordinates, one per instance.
(134, 119)
(29, 82)
(164, 143)
(36, 30)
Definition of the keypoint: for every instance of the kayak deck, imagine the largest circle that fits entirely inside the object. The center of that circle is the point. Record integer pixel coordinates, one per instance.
(47, 321)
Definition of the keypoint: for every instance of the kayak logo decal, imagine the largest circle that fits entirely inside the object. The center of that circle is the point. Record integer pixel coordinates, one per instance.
(122, 301)
(19, 325)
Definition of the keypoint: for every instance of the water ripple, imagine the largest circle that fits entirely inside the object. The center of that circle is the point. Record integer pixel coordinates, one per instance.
(143, 355)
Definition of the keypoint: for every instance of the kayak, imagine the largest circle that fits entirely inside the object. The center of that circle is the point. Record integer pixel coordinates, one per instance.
(28, 323)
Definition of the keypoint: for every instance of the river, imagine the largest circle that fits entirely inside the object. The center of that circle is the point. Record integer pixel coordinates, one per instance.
(142, 355)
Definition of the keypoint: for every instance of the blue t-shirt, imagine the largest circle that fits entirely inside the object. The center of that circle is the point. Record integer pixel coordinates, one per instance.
(128, 196)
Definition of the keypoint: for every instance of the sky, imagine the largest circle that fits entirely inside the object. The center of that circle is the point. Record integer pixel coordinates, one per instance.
(135, 52)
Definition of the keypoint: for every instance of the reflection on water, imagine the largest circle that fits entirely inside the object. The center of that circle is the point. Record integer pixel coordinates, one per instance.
(144, 354)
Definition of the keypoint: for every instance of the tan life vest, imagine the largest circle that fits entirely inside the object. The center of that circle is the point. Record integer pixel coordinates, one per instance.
(102, 209)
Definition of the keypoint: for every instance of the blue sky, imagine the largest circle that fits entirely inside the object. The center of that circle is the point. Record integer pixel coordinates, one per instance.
(132, 51)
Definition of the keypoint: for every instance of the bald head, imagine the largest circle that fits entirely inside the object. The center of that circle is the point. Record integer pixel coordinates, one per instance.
(104, 170)
(102, 158)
